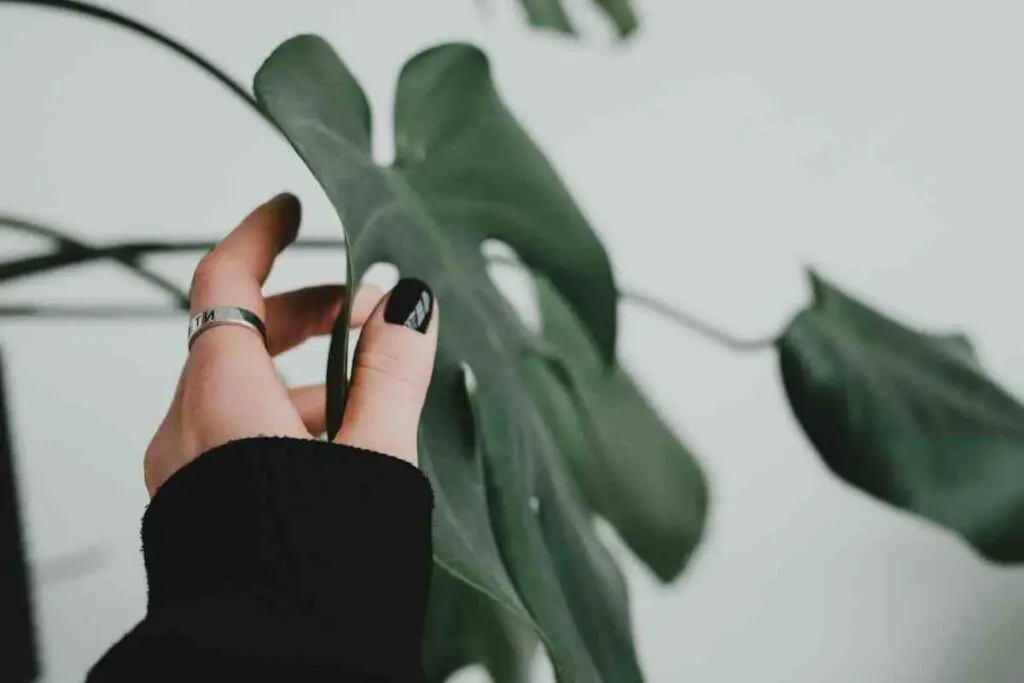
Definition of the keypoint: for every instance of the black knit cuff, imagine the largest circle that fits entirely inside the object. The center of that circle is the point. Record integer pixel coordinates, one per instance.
(335, 535)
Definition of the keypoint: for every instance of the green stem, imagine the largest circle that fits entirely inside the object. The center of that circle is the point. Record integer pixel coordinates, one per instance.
(709, 332)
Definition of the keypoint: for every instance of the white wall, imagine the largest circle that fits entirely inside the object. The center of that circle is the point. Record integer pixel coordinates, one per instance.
(732, 143)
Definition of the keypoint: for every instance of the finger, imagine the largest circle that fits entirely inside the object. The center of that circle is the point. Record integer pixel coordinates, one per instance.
(309, 402)
(295, 316)
(233, 272)
(231, 389)
(391, 372)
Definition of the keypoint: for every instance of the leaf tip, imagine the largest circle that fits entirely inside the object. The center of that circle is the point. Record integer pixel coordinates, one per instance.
(450, 54)
(300, 42)
(626, 21)
(820, 287)
(559, 23)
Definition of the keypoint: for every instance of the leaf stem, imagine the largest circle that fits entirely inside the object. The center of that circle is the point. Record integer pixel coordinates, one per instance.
(73, 252)
(138, 27)
(132, 251)
(706, 330)
(86, 311)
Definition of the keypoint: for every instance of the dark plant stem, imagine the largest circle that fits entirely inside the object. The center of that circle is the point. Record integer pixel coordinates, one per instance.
(83, 311)
(705, 330)
(129, 253)
(20, 660)
(709, 332)
(134, 26)
(71, 250)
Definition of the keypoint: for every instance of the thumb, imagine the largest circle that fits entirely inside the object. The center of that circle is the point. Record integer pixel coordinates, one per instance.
(391, 371)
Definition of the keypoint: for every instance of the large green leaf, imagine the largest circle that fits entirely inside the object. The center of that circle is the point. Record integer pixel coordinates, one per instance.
(909, 417)
(634, 469)
(551, 14)
(509, 521)
(465, 627)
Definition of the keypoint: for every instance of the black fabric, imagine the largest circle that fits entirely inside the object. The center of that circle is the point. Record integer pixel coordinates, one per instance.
(274, 558)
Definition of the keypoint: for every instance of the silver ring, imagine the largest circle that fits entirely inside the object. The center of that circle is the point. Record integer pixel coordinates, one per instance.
(224, 315)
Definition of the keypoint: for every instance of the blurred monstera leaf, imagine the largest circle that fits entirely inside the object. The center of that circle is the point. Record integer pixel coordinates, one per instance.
(634, 470)
(551, 14)
(510, 521)
(909, 417)
(466, 627)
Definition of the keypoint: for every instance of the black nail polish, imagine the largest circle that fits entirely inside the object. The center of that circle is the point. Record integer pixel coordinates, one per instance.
(411, 304)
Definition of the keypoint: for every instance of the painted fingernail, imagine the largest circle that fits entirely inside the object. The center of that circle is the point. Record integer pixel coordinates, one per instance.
(411, 304)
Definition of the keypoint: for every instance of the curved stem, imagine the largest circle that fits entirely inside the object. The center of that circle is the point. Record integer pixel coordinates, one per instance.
(90, 311)
(79, 253)
(71, 250)
(709, 332)
(128, 253)
(134, 26)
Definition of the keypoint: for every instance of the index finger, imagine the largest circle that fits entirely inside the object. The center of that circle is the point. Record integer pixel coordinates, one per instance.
(233, 272)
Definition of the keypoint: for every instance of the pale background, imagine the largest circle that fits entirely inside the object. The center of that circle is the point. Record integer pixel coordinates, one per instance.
(732, 143)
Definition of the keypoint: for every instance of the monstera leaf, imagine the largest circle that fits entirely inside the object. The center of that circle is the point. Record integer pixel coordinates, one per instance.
(909, 417)
(551, 14)
(465, 627)
(633, 468)
(510, 522)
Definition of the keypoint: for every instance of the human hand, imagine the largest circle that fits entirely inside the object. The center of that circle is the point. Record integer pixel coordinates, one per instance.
(229, 388)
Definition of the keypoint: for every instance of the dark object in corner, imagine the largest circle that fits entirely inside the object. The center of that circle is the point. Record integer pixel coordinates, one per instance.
(19, 661)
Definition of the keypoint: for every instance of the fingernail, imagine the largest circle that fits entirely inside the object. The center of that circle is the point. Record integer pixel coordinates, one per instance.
(285, 201)
(290, 209)
(411, 304)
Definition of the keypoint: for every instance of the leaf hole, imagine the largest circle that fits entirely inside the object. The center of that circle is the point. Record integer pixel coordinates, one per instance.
(469, 427)
(514, 280)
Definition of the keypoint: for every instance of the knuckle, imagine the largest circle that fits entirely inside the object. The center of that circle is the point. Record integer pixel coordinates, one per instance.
(380, 365)
(213, 266)
(204, 272)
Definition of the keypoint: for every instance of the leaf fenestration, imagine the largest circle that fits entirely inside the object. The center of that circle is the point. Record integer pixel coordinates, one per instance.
(636, 472)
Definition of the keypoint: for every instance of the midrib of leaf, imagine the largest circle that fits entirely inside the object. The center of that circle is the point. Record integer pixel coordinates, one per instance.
(365, 158)
(453, 266)
(496, 209)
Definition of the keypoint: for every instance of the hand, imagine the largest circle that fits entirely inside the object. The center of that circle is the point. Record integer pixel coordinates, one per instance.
(229, 388)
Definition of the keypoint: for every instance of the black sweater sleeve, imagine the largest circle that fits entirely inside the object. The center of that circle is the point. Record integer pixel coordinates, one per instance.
(274, 558)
